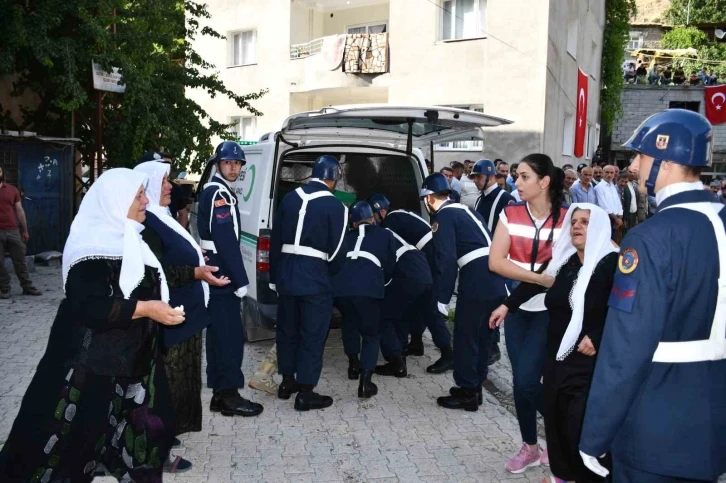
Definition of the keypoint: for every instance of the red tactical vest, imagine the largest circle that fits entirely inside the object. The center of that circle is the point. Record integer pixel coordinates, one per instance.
(529, 248)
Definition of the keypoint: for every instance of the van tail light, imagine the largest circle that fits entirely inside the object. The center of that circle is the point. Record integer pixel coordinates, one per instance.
(263, 253)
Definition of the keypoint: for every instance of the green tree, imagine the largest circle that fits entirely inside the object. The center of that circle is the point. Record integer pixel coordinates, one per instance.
(693, 37)
(48, 46)
(701, 11)
(617, 31)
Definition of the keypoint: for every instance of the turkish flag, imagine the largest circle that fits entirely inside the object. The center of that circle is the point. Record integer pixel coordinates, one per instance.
(581, 120)
(716, 104)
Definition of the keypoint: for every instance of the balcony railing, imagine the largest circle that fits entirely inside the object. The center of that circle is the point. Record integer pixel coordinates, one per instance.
(300, 51)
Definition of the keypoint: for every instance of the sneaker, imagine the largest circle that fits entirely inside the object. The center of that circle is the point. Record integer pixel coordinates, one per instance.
(176, 464)
(30, 290)
(526, 458)
(545, 458)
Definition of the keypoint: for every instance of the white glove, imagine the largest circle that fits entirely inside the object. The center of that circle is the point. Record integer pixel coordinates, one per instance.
(444, 309)
(593, 465)
(241, 292)
(273, 287)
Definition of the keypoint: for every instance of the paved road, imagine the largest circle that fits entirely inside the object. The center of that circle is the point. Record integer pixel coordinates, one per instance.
(400, 435)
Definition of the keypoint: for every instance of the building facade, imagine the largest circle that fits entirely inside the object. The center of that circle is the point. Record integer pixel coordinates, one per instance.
(515, 59)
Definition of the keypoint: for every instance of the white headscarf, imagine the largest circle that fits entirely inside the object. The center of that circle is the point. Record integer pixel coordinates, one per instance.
(102, 229)
(156, 171)
(597, 246)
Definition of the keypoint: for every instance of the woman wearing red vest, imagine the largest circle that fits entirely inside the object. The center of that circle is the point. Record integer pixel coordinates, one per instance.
(522, 245)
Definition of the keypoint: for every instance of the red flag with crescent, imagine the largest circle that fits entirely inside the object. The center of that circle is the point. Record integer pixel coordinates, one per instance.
(581, 119)
(716, 104)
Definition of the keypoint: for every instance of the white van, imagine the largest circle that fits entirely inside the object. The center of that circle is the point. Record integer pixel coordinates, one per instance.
(379, 149)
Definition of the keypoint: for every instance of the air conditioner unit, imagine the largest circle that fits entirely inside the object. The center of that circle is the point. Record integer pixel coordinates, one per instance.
(720, 33)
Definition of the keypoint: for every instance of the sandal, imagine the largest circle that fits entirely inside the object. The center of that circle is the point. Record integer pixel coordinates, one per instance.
(178, 465)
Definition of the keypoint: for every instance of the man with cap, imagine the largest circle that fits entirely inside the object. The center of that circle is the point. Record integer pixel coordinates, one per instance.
(359, 288)
(490, 204)
(461, 243)
(307, 233)
(218, 224)
(410, 289)
(416, 231)
(659, 389)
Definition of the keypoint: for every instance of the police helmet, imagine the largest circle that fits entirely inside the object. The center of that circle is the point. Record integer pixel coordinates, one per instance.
(326, 167)
(435, 183)
(580, 167)
(676, 135)
(360, 210)
(485, 167)
(228, 151)
(378, 202)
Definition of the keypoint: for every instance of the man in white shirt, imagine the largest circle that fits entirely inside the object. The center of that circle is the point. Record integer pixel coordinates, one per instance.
(608, 198)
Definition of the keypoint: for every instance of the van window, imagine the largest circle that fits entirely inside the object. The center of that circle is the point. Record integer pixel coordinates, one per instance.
(363, 174)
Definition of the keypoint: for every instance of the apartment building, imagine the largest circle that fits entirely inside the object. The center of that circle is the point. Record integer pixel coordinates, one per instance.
(515, 59)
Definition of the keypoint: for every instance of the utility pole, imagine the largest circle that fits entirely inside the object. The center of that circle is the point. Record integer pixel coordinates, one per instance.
(688, 13)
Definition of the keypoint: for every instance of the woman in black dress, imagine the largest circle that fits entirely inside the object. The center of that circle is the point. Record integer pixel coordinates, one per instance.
(583, 264)
(189, 280)
(99, 394)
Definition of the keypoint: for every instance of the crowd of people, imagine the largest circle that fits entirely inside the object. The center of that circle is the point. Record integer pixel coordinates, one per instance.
(659, 75)
(608, 341)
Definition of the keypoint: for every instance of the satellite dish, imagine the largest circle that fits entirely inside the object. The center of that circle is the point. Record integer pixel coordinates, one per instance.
(720, 33)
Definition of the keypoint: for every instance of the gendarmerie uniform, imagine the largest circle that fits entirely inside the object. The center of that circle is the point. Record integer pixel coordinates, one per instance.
(218, 227)
(490, 204)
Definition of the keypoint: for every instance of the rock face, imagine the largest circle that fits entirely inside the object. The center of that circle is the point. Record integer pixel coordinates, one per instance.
(366, 54)
(651, 11)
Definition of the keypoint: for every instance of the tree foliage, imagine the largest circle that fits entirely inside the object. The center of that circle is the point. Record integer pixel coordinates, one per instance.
(693, 37)
(617, 31)
(701, 11)
(48, 47)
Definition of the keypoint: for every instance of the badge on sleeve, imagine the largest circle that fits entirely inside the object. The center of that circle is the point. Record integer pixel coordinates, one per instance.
(220, 203)
(434, 226)
(628, 261)
(622, 296)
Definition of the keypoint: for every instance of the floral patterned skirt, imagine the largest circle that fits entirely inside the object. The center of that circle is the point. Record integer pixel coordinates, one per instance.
(72, 421)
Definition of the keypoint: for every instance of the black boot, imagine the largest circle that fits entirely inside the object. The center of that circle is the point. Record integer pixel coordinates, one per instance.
(466, 400)
(366, 388)
(232, 404)
(307, 399)
(445, 363)
(459, 392)
(353, 367)
(494, 354)
(395, 367)
(214, 403)
(415, 347)
(287, 387)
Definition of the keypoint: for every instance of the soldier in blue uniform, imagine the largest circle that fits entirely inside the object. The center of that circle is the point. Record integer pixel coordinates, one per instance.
(658, 397)
(218, 226)
(370, 258)
(490, 204)
(307, 234)
(417, 232)
(461, 244)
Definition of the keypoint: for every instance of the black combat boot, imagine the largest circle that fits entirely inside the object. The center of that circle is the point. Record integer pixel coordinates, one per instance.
(214, 403)
(353, 367)
(366, 388)
(307, 399)
(232, 404)
(445, 363)
(494, 354)
(466, 400)
(459, 392)
(287, 387)
(395, 367)
(415, 347)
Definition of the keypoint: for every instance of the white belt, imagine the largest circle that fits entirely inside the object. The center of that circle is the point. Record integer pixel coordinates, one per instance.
(305, 251)
(208, 245)
(473, 255)
(424, 240)
(714, 348)
(405, 247)
(361, 254)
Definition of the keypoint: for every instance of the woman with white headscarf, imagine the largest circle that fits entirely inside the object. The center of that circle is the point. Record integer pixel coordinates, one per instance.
(188, 278)
(99, 394)
(583, 266)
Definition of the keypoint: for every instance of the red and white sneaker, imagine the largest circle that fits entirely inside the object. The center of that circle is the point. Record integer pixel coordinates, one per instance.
(527, 457)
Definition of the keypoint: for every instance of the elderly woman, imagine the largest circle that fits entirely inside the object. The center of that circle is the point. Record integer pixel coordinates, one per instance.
(99, 394)
(188, 278)
(583, 264)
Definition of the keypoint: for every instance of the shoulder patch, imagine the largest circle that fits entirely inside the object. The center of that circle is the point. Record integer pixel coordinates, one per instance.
(512, 202)
(628, 261)
(225, 217)
(434, 226)
(220, 203)
(622, 295)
